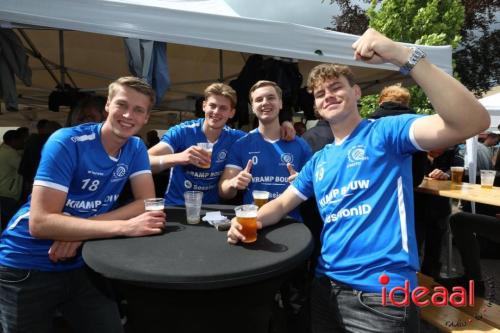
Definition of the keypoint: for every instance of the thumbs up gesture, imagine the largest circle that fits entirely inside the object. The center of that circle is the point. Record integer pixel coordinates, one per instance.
(293, 173)
(243, 178)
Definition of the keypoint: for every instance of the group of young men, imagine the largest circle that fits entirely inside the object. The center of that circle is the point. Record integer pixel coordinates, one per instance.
(362, 183)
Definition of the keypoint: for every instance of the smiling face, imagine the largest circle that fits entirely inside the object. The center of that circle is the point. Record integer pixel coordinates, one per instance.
(218, 110)
(266, 103)
(336, 100)
(128, 111)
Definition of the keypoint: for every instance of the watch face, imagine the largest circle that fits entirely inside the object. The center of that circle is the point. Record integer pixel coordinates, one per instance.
(416, 55)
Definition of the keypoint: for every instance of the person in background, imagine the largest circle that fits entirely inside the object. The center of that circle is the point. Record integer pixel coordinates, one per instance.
(88, 110)
(261, 160)
(395, 100)
(32, 152)
(152, 138)
(300, 128)
(81, 173)
(178, 149)
(10, 180)
(363, 186)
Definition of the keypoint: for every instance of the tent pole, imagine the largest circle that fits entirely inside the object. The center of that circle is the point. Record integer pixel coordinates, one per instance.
(62, 69)
(37, 54)
(221, 66)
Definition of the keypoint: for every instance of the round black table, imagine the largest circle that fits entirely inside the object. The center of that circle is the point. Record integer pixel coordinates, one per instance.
(189, 279)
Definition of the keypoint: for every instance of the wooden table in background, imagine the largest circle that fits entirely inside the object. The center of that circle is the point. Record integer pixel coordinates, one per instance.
(465, 191)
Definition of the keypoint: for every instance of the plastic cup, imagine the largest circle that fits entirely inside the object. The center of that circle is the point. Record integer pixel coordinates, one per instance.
(260, 198)
(247, 217)
(208, 147)
(487, 178)
(154, 204)
(192, 201)
(457, 173)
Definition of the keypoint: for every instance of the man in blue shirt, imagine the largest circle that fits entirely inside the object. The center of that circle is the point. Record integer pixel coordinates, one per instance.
(362, 183)
(260, 160)
(81, 174)
(178, 148)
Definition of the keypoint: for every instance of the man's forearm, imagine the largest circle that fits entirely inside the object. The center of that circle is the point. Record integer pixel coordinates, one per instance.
(226, 190)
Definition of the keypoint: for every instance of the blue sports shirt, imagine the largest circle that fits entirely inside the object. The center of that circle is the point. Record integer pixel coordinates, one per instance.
(269, 159)
(364, 191)
(192, 178)
(73, 161)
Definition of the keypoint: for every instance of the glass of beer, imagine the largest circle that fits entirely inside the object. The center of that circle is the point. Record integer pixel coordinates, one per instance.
(260, 198)
(457, 173)
(247, 217)
(487, 178)
(154, 204)
(207, 147)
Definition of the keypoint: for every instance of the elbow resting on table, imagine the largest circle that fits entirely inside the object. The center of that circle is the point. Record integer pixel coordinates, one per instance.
(36, 227)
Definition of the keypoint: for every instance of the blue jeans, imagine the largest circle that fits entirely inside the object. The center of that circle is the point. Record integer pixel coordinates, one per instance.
(29, 299)
(339, 308)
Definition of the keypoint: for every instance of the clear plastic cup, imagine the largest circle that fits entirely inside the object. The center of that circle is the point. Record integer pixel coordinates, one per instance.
(208, 147)
(487, 178)
(192, 201)
(247, 217)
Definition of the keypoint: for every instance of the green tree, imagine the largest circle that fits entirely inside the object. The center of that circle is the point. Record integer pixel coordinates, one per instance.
(434, 23)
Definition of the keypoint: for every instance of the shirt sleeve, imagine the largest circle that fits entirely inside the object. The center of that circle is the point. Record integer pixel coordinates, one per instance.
(303, 184)
(58, 162)
(175, 138)
(234, 160)
(397, 132)
(140, 164)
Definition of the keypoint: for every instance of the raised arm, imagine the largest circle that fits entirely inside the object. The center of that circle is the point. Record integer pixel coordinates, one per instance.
(459, 114)
(161, 157)
(269, 214)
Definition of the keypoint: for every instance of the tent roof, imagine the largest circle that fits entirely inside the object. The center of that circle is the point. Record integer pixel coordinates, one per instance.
(208, 24)
(492, 104)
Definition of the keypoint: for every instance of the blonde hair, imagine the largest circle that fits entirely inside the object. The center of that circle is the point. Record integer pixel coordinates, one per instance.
(221, 89)
(139, 85)
(395, 93)
(324, 72)
(264, 83)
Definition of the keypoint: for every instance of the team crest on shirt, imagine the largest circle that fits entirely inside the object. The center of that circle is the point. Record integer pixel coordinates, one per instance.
(120, 172)
(287, 158)
(221, 156)
(356, 155)
(188, 184)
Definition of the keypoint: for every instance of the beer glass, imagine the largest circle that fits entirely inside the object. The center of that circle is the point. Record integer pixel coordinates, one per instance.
(154, 204)
(207, 147)
(457, 173)
(247, 217)
(260, 198)
(487, 178)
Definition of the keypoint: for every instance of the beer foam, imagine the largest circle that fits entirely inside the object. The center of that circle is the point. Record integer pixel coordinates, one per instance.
(247, 214)
(261, 195)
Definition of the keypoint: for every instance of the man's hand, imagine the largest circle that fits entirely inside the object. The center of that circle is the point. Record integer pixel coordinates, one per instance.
(234, 235)
(244, 177)
(61, 251)
(195, 155)
(287, 131)
(439, 174)
(374, 48)
(293, 173)
(148, 223)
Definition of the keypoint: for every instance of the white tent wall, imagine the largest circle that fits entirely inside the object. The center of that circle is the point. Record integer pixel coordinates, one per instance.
(195, 31)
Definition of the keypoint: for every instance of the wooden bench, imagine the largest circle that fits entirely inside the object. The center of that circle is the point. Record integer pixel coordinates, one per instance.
(484, 316)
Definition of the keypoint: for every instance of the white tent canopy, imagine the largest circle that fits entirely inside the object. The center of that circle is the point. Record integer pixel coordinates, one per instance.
(492, 104)
(192, 28)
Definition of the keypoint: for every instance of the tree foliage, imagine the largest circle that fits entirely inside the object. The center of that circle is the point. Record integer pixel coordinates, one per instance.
(432, 22)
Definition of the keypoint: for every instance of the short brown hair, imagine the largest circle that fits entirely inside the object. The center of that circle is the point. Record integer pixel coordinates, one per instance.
(139, 85)
(221, 89)
(264, 83)
(395, 93)
(325, 72)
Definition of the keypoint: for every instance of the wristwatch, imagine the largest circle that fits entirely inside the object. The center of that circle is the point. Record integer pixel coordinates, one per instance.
(415, 57)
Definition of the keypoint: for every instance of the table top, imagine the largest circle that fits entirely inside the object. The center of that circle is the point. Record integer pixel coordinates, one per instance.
(465, 191)
(198, 256)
